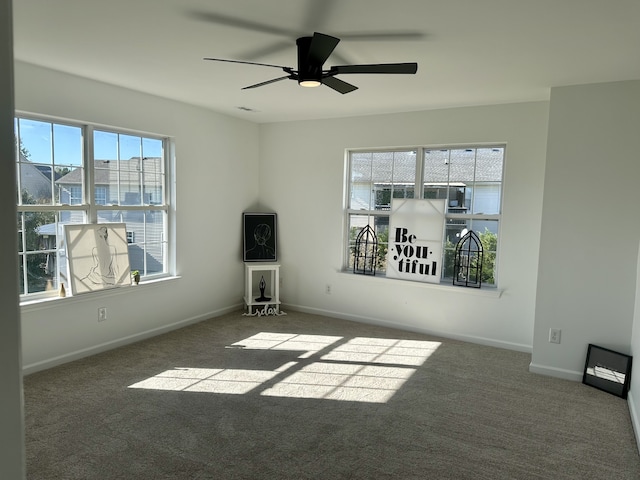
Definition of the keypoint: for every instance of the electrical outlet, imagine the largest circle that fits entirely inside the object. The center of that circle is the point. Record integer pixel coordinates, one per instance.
(327, 289)
(554, 335)
(102, 314)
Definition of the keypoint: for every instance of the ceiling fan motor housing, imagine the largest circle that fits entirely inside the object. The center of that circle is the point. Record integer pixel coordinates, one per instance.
(308, 70)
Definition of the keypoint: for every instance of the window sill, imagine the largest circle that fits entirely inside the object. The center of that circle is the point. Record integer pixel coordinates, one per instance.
(487, 292)
(30, 305)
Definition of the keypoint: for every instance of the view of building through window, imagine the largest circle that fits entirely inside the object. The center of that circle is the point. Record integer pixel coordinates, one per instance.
(468, 179)
(122, 179)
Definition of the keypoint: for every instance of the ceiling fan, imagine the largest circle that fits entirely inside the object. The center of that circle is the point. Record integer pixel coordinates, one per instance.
(312, 53)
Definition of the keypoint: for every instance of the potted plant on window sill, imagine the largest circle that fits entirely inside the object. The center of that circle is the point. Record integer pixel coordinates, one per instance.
(135, 274)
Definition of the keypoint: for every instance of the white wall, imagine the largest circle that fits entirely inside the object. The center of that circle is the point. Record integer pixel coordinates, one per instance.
(590, 228)
(216, 179)
(634, 390)
(302, 179)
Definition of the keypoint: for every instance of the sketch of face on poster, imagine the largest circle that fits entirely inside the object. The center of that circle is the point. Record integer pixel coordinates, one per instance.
(259, 237)
(261, 249)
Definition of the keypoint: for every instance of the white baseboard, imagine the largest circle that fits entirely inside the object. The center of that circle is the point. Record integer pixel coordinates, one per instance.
(103, 347)
(555, 372)
(635, 420)
(386, 323)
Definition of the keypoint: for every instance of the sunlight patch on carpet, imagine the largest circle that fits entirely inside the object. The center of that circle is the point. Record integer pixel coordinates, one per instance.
(361, 369)
(213, 380)
(352, 382)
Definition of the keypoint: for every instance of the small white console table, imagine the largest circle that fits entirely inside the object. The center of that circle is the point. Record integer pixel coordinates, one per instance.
(256, 303)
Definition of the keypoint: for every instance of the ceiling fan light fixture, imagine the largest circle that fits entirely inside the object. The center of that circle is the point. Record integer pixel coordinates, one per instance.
(310, 83)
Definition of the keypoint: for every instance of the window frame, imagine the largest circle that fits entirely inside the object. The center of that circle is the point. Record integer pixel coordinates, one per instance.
(89, 206)
(418, 191)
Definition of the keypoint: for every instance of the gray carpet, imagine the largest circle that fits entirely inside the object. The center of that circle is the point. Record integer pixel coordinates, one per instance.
(308, 397)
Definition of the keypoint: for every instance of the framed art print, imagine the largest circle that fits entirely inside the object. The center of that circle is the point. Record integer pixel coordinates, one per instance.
(607, 370)
(259, 237)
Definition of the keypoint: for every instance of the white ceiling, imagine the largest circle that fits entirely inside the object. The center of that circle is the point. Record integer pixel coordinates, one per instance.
(469, 52)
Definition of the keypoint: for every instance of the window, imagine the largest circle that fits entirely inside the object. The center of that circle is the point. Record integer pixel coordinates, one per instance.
(60, 166)
(101, 195)
(468, 179)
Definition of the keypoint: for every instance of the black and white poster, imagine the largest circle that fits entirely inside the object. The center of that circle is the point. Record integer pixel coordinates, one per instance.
(415, 239)
(259, 237)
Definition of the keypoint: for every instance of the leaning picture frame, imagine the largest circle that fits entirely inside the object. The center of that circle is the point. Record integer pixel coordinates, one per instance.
(97, 256)
(607, 370)
(259, 237)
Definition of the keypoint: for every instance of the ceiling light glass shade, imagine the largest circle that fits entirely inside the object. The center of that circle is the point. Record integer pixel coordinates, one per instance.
(310, 83)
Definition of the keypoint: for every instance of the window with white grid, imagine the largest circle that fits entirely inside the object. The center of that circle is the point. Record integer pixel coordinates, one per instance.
(469, 179)
(76, 173)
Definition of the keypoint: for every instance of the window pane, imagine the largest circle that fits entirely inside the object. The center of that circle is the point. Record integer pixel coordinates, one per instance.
(130, 182)
(48, 153)
(38, 280)
(40, 236)
(487, 230)
(488, 184)
(20, 233)
(462, 165)
(152, 147)
(145, 237)
(70, 187)
(129, 146)
(21, 267)
(377, 177)
(470, 179)
(152, 181)
(35, 140)
(129, 170)
(154, 242)
(71, 216)
(380, 225)
(37, 225)
(361, 186)
(35, 183)
(436, 166)
(101, 195)
(436, 175)
(118, 182)
(105, 145)
(67, 146)
(105, 181)
(69, 174)
(393, 177)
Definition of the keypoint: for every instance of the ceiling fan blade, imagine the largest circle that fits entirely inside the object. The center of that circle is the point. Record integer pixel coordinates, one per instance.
(240, 23)
(247, 63)
(377, 68)
(265, 50)
(338, 85)
(381, 36)
(268, 82)
(320, 48)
